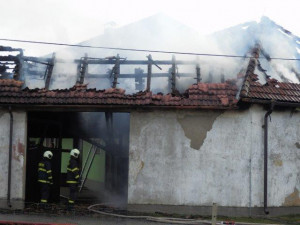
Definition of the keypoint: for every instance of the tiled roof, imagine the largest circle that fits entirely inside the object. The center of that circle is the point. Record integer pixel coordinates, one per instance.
(271, 90)
(201, 95)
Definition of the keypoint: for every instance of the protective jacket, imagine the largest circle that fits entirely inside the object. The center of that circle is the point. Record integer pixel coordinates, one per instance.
(73, 171)
(45, 172)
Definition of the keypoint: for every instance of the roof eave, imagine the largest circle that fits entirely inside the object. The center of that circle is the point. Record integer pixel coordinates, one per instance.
(274, 102)
(64, 107)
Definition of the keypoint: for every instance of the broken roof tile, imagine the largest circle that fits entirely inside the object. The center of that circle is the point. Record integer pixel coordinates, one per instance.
(272, 90)
(212, 95)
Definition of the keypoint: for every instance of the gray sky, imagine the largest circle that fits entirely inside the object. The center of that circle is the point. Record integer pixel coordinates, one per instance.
(73, 21)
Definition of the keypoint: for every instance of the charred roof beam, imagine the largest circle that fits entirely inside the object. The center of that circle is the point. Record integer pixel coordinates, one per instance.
(48, 73)
(82, 69)
(110, 60)
(18, 60)
(10, 49)
(198, 73)
(139, 81)
(137, 75)
(18, 71)
(149, 71)
(174, 72)
(259, 67)
(35, 60)
(115, 72)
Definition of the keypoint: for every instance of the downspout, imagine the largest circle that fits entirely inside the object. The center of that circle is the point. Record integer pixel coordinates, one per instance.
(268, 113)
(10, 157)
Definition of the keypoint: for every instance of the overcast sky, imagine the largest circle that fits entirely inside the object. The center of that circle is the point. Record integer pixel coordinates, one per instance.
(73, 21)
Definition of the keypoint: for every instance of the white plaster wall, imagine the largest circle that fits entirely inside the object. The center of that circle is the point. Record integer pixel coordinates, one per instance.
(18, 155)
(165, 169)
(284, 159)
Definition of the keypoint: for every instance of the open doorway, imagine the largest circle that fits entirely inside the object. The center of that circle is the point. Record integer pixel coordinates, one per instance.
(103, 140)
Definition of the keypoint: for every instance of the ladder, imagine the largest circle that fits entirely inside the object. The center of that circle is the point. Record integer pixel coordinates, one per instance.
(86, 169)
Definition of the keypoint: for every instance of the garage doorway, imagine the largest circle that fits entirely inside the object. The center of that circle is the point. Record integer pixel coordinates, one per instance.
(103, 140)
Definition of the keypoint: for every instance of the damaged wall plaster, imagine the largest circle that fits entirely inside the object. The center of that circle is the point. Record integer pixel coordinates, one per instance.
(293, 199)
(164, 167)
(18, 151)
(18, 157)
(196, 127)
(173, 171)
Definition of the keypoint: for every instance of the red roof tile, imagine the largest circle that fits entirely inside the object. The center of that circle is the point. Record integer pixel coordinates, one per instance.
(272, 90)
(201, 95)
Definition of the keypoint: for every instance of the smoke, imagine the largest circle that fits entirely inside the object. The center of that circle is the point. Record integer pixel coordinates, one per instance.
(155, 33)
(275, 41)
(278, 44)
(160, 32)
(64, 74)
(108, 177)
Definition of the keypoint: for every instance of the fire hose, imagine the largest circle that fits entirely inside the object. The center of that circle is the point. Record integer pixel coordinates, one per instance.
(150, 218)
(164, 219)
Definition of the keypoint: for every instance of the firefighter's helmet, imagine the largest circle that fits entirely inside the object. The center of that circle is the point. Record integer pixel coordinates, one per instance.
(48, 154)
(75, 152)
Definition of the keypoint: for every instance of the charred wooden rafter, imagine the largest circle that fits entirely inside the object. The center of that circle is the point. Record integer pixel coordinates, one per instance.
(139, 81)
(150, 62)
(111, 61)
(18, 71)
(137, 75)
(173, 75)
(116, 71)
(49, 71)
(198, 73)
(82, 69)
(11, 60)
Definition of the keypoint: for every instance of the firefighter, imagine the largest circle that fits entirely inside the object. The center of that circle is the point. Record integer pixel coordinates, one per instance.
(73, 176)
(45, 176)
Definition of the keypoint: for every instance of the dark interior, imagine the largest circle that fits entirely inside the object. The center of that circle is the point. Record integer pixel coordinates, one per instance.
(105, 132)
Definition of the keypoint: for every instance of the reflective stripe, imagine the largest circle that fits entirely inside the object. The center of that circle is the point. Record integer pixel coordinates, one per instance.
(73, 170)
(41, 169)
(50, 178)
(41, 164)
(77, 177)
(71, 201)
(43, 181)
(49, 171)
(71, 182)
(44, 200)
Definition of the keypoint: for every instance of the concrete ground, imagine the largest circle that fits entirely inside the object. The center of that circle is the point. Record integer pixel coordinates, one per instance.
(73, 219)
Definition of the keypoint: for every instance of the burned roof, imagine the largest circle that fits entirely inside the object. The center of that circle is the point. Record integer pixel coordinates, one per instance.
(271, 90)
(200, 95)
(15, 91)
